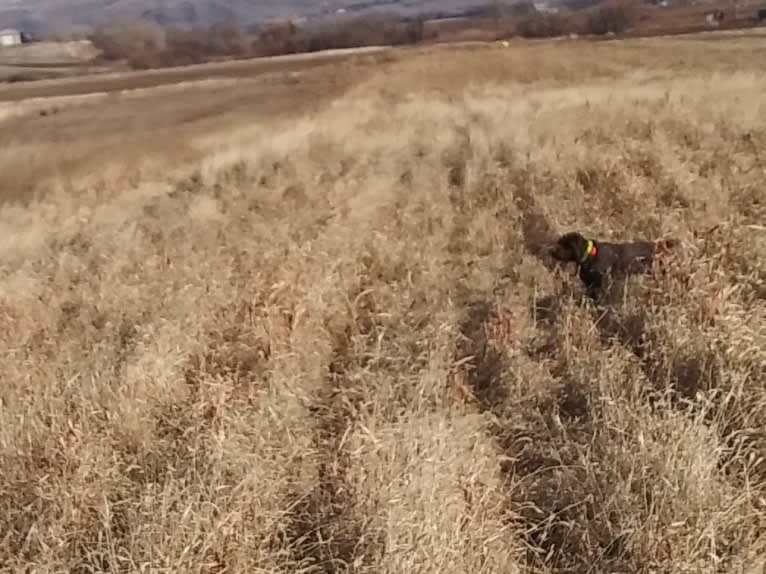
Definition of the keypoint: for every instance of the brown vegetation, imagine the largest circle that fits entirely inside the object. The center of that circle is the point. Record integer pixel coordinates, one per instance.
(338, 33)
(144, 45)
(147, 45)
(611, 17)
(604, 18)
(544, 25)
(326, 340)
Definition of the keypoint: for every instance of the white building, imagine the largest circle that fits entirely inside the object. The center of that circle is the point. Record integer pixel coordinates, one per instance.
(10, 37)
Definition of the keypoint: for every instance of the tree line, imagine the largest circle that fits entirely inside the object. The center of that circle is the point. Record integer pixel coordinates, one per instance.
(145, 44)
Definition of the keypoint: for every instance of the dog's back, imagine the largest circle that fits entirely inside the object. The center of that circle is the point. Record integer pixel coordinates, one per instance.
(615, 260)
(634, 257)
(597, 261)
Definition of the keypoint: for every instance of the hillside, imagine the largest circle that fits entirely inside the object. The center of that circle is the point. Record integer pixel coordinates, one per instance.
(304, 321)
(42, 16)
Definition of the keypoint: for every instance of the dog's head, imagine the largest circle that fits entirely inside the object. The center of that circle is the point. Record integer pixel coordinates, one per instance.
(571, 247)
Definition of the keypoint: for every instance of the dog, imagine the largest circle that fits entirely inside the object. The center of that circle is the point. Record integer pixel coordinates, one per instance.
(598, 261)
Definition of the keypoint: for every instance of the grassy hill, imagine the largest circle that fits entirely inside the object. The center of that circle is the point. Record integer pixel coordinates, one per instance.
(305, 321)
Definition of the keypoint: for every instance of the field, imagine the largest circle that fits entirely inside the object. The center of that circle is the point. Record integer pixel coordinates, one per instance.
(47, 60)
(303, 320)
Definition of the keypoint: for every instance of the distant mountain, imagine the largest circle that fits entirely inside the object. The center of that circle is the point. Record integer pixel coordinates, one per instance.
(40, 17)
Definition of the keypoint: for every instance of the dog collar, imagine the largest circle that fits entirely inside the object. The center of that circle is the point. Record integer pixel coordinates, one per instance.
(590, 251)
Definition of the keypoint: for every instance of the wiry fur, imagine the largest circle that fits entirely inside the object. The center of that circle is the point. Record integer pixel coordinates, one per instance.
(610, 259)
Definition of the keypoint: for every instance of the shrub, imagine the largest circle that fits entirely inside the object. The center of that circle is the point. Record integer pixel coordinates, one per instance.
(196, 46)
(279, 38)
(609, 18)
(338, 33)
(149, 45)
(373, 30)
(542, 25)
(131, 41)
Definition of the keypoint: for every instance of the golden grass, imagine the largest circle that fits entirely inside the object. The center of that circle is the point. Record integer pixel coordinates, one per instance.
(325, 340)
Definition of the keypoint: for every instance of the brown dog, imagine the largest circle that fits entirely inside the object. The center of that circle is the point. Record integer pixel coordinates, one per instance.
(598, 260)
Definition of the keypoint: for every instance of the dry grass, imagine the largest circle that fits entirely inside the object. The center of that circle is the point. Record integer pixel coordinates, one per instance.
(326, 341)
(117, 81)
(48, 54)
(43, 60)
(123, 132)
